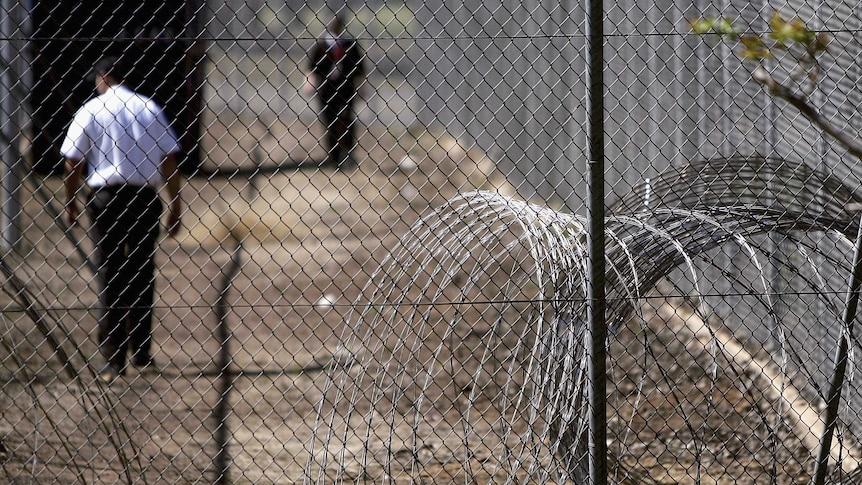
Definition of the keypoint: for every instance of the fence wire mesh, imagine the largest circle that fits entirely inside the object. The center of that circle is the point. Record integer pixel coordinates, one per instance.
(379, 273)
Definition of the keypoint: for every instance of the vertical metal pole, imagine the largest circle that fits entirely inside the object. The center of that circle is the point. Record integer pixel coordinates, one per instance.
(833, 399)
(596, 242)
(10, 123)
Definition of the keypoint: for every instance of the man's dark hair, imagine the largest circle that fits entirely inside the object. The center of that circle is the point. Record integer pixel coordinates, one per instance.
(110, 66)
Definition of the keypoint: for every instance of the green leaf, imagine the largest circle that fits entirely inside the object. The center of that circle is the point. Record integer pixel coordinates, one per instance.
(712, 25)
(753, 48)
(786, 32)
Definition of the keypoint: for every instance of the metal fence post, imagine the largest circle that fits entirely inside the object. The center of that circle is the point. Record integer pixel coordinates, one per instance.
(596, 241)
(10, 123)
(833, 399)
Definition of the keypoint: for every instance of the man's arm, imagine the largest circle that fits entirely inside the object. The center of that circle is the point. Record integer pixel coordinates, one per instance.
(359, 84)
(313, 77)
(72, 182)
(311, 84)
(172, 178)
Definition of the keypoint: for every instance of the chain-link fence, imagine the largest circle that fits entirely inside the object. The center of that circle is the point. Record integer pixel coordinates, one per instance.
(382, 271)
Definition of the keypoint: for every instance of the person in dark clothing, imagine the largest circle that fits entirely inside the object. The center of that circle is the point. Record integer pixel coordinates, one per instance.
(335, 75)
(121, 144)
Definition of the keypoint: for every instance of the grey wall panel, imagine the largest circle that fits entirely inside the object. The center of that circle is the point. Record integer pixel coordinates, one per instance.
(511, 79)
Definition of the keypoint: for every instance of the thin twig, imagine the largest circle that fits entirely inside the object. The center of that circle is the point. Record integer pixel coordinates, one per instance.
(781, 91)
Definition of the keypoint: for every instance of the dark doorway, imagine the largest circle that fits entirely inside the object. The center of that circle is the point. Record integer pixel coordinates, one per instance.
(158, 40)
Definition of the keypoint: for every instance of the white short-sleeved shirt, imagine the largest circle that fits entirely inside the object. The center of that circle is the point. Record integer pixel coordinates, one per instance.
(123, 136)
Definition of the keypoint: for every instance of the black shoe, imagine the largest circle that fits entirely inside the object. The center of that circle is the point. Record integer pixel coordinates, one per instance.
(143, 361)
(109, 373)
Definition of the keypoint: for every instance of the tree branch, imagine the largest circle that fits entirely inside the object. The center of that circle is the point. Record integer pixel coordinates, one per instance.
(781, 91)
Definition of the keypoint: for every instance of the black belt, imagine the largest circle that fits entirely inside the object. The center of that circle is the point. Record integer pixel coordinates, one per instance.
(100, 195)
(114, 188)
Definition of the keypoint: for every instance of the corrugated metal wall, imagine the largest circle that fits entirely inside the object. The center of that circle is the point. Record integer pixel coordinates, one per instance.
(515, 85)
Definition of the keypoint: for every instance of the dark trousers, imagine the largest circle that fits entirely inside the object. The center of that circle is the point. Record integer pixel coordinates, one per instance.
(337, 116)
(125, 231)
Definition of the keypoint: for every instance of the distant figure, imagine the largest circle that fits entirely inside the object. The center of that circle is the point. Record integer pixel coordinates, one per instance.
(123, 144)
(335, 74)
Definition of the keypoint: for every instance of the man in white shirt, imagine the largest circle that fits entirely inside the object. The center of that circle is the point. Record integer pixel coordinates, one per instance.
(120, 142)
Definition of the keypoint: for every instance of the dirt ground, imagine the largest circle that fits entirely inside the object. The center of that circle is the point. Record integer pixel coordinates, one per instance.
(307, 242)
(301, 237)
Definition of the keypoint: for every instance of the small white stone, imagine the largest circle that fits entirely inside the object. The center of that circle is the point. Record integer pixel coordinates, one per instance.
(407, 163)
(326, 301)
